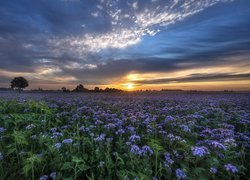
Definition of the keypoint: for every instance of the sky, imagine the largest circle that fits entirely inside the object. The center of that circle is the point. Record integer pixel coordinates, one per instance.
(126, 44)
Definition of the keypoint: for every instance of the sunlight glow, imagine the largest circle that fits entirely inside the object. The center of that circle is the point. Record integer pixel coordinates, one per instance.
(129, 86)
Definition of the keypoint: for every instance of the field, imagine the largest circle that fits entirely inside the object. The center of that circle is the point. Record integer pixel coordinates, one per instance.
(124, 136)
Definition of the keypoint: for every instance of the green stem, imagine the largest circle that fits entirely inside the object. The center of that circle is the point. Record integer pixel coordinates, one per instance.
(156, 163)
(33, 174)
(75, 171)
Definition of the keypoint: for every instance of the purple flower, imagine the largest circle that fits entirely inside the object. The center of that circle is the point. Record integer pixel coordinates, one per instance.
(100, 138)
(1, 156)
(56, 135)
(213, 170)
(128, 143)
(53, 129)
(199, 151)
(110, 126)
(168, 160)
(231, 168)
(2, 129)
(53, 175)
(67, 141)
(134, 137)
(146, 150)
(131, 129)
(180, 174)
(135, 150)
(169, 118)
(120, 131)
(58, 145)
(33, 137)
(74, 117)
(185, 128)
(218, 145)
(44, 177)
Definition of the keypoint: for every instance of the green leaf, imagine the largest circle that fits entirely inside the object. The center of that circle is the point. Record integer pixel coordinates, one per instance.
(66, 165)
(20, 137)
(77, 159)
(83, 167)
(155, 145)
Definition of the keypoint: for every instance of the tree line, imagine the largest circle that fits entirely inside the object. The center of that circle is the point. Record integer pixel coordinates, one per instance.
(20, 83)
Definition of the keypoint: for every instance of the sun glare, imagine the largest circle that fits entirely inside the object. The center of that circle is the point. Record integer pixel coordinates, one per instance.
(129, 86)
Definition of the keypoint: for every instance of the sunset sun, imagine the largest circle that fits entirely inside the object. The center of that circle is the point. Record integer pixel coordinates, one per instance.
(129, 86)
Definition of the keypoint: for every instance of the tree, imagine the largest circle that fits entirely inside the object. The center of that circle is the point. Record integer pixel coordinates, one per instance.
(19, 83)
(96, 89)
(80, 88)
(64, 89)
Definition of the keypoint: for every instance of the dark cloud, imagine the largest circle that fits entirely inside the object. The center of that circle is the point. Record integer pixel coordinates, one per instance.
(198, 78)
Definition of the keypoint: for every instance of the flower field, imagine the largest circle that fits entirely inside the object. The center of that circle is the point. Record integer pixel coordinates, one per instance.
(124, 136)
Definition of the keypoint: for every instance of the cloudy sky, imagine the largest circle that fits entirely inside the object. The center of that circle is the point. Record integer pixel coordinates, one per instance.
(129, 44)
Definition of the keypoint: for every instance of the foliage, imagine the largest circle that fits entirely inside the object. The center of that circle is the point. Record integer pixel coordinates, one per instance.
(19, 83)
(143, 136)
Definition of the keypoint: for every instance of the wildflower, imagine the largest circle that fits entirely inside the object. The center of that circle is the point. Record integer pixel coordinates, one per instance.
(2, 129)
(146, 149)
(180, 174)
(134, 137)
(100, 138)
(213, 170)
(218, 145)
(53, 129)
(65, 127)
(67, 141)
(110, 126)
(169, 118)
(1, 156)
(199, 151)
(53, 175)
(58, 145)
(82, 128)
(120, 131)
(185, 128)
(33, 137)
(101, 163)
(168, 160)
(44, 177)
(128, 143)
(135, 150)
(56, 135)
(131, 129)
(31, 126)
(231, 168)
(75, 117)
(171, 137)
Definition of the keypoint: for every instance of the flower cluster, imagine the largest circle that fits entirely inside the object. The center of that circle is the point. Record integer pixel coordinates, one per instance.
(199, 151)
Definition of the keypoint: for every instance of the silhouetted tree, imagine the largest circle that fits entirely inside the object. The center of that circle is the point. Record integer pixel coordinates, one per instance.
(96, 89)
(80, 88)
(19, 83)
(64, 89)
(112, 90)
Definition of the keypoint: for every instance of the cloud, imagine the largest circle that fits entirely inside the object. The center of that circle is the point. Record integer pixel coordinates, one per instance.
(198, 78)
(147, 22)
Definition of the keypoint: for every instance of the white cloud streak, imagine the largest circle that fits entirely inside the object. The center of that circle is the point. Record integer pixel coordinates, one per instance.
(146, 22)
